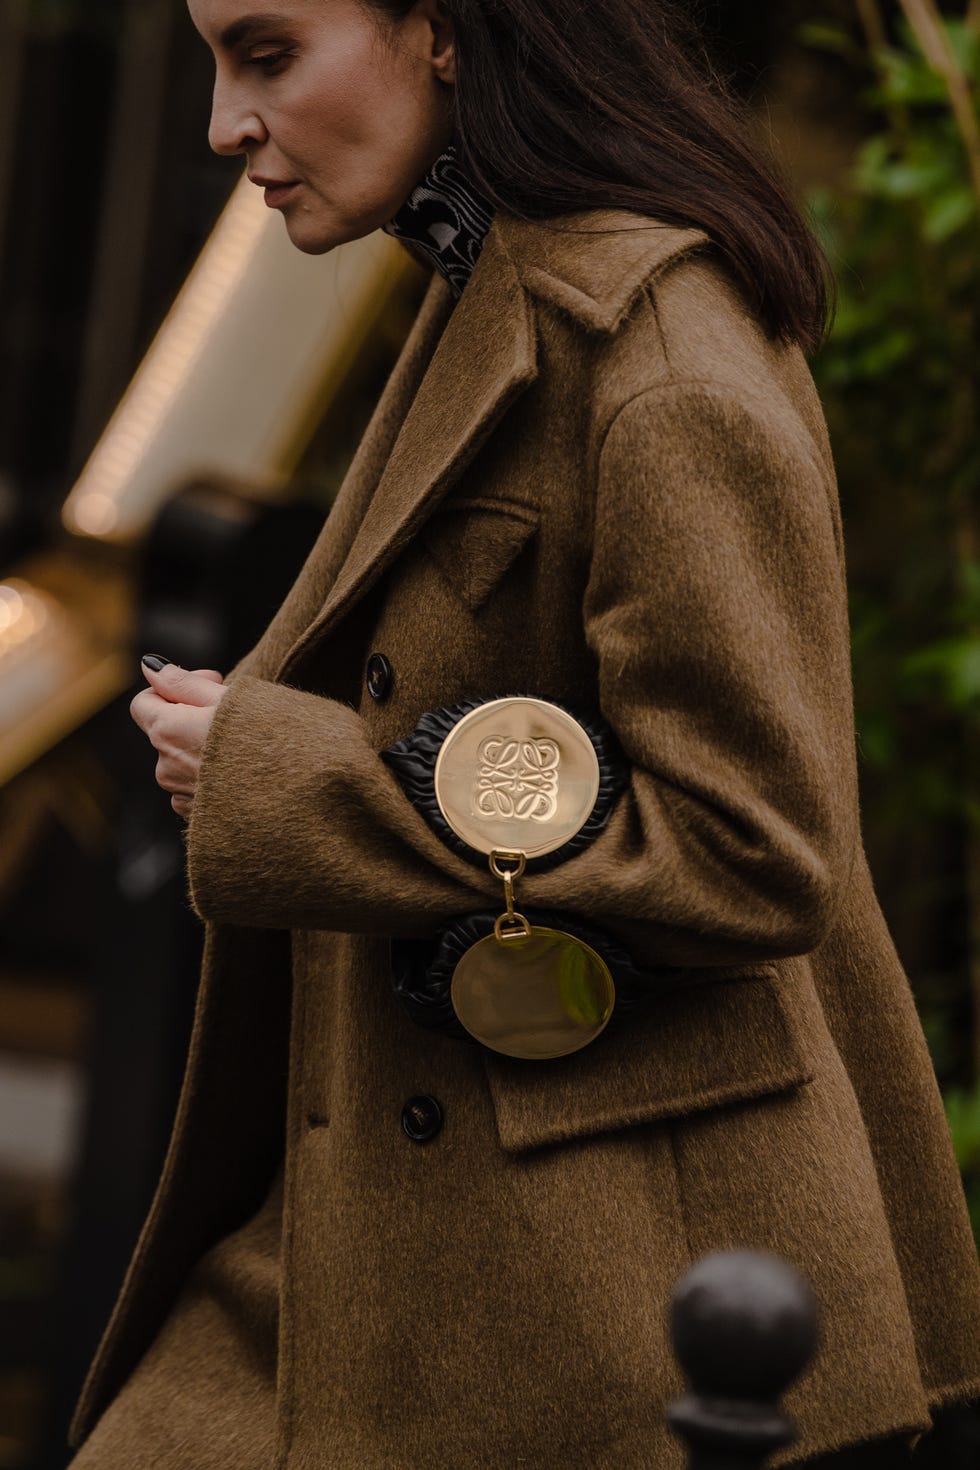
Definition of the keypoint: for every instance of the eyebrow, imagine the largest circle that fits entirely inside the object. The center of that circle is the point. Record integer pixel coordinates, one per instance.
(237, 32)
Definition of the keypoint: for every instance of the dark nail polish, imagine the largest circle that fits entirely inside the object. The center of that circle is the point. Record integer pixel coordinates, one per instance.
(155, 661)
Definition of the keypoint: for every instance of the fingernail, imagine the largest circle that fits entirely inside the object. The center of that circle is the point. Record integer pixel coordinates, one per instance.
(155, 661)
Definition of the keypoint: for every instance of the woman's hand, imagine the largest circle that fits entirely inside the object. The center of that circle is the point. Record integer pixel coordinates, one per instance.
(175, 714)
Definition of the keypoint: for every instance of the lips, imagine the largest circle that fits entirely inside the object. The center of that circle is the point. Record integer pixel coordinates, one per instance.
(276, 190)
(279, 194)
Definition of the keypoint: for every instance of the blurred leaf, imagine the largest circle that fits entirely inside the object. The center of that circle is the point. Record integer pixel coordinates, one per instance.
(907, 79)
(967, 604)
(949, 212)
(964, 41)
(823, 36)
(963, 1116)
(953, 664)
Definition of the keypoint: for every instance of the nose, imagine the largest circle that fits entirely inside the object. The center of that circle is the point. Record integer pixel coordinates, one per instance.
(235, 126)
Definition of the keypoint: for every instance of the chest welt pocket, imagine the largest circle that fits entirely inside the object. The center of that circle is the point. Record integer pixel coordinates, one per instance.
(708, 1044)
(474, 542)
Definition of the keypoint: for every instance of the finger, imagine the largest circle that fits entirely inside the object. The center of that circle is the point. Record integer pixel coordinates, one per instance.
(146, 708)
(185, 686)
(179, 733)
(174, 785)
(141, 708)
(209, 674)
(182, 805)
(176, 768)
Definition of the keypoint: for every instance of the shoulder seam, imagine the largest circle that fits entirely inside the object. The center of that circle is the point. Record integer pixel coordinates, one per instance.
(745, 396)
(652, 390)
(749, 400)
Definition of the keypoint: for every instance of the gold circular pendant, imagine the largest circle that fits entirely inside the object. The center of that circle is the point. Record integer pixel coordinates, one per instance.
(517, 775)
(536, 995)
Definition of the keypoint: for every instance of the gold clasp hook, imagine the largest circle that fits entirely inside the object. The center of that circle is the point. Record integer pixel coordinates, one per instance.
(510, 925)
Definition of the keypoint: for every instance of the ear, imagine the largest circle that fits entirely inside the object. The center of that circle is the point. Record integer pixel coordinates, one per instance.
(443, 40)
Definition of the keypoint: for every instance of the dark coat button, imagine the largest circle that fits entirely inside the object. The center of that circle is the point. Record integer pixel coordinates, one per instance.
(379, 676)
(421, 1118)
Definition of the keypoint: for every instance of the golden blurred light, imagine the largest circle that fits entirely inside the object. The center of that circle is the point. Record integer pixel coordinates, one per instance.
(24, 611)
(178, 345)
(95, 514)
(10, 605)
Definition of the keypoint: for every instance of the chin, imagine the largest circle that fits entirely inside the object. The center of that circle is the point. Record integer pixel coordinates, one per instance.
(313, 239)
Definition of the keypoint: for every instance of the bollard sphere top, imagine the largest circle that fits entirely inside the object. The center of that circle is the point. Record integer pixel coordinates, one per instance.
(743, 1324)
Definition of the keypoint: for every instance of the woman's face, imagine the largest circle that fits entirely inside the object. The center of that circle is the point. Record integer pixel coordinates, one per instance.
(321, 100)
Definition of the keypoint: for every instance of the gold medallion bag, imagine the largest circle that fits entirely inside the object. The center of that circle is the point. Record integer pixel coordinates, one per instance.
(519, 784)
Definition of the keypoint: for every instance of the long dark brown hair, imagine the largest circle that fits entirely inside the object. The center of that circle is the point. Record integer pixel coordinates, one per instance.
(565, 105)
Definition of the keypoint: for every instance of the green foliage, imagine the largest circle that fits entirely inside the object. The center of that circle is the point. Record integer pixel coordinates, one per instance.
(900, 381)
(963, 1116)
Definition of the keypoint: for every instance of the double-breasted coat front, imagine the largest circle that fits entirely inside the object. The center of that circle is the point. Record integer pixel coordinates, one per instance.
(594, 479)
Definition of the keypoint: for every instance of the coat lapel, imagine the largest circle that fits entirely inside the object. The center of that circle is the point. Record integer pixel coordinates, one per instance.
(329, 552)
(486, 357)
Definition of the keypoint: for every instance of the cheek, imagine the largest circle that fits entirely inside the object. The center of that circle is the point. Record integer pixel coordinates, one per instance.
(357, 98)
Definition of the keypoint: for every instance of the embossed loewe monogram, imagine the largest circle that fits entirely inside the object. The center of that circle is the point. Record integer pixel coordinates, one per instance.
(518, 778)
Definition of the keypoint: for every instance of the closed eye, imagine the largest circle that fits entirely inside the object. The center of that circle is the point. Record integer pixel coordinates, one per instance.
(272, 62)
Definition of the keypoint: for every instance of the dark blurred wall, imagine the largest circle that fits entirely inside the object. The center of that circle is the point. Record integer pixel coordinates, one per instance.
(107, 191)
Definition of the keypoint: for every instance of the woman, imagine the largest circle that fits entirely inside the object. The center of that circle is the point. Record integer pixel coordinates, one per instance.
(599, 480)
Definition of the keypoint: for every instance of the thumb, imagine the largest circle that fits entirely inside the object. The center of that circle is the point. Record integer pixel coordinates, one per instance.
(182, 686)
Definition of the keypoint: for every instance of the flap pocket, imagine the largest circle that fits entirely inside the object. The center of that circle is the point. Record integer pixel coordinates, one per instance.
(474, 542)
(713, 1042)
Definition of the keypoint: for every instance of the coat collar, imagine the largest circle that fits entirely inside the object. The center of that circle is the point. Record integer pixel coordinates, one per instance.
(590, 266)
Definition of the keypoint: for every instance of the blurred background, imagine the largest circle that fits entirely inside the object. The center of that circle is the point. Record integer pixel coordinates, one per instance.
(180, 394)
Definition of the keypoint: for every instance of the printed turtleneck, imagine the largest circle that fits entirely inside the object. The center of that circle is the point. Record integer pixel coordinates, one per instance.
(446, 217)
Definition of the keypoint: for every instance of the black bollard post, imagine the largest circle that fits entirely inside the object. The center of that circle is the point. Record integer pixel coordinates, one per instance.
(744, 1326)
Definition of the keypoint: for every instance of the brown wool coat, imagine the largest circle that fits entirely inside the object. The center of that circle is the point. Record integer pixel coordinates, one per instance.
(596, 480)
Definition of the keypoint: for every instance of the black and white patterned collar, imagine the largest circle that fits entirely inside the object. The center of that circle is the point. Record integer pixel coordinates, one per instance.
(446, 217)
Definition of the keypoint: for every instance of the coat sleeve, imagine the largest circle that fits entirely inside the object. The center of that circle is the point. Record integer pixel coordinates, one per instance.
(716, 611)
(297, 823)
